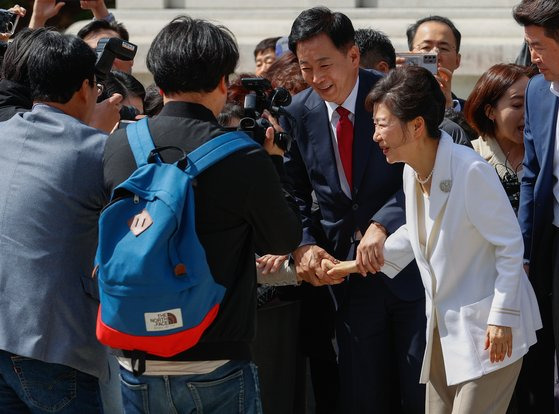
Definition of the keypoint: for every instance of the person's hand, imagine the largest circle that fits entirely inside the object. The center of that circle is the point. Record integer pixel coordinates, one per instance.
(498, 339)
(20, 11)
(340, 269)
(98, 8)
(42, 11)
(400, 61)
(270, 263)
(269, 144)
(444, 77)
(308, 260)
(107, 113)
(370, 255)
(527, 269)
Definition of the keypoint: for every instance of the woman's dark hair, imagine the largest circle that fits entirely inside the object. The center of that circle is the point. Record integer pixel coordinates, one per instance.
(490, 87)
(153, 101)
(285, 72)
(410, 92)
(14, 67)
(192, 55)
(58, 66)
(313, 22)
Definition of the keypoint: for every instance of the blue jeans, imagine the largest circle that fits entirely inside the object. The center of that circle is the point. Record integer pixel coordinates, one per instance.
(32, 386)
(232, 388)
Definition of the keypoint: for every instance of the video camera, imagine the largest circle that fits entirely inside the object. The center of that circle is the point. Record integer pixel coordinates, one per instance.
(108, 49)
(262, 97)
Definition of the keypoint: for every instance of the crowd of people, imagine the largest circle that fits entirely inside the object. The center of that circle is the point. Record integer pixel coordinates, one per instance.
(415, 233)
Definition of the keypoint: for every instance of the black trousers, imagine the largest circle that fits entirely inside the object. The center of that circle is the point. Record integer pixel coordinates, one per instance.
(381, 342)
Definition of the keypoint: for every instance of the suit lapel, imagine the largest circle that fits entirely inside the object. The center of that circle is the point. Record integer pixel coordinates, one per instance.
(362, 134)
(548, 127)
(441, 185)
(318, 129)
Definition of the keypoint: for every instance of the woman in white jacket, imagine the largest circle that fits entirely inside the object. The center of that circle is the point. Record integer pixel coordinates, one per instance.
(460, 228)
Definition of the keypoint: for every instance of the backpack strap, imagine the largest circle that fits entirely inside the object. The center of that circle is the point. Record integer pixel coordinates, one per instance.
(216, 149)
(140, 141)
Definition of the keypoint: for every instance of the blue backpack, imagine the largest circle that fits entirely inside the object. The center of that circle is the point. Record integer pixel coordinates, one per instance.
(156, 290)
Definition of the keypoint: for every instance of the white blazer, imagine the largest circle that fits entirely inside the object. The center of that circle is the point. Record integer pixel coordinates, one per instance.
(471, 267)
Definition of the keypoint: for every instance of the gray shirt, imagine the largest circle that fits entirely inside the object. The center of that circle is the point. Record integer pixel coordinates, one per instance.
(51, 195)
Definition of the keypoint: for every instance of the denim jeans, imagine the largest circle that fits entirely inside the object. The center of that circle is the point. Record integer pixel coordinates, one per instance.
(232, 388)
(31, 386)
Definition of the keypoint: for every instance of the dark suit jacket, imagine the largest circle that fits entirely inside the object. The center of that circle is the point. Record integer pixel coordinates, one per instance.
(535, 212)
(311, 166)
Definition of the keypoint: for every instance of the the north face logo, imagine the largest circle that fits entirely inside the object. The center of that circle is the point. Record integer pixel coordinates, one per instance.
(163, 321)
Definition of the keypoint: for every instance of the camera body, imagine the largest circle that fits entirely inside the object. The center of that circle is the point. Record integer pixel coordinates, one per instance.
(262, 97)
(512, 188)
(8, 21)
(425, 60)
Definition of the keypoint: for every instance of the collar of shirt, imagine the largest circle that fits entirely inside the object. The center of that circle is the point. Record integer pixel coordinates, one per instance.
(554, 88)
(348, 104)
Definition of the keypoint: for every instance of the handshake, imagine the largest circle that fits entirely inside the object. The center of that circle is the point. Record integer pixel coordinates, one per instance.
(337, 270)
(316, 266)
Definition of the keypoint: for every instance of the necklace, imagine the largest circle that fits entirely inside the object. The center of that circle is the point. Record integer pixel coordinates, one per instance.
(423, 182)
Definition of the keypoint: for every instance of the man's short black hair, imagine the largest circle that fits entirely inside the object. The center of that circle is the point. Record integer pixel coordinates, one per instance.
(412, 29)
(14, 66)
(192, 55)
(542, 13)
(58, 66)
(313, 22)
(374, 46)
(265, 44)
(101, 25)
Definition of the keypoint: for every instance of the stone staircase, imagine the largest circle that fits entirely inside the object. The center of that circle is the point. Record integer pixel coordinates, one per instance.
(489, 34)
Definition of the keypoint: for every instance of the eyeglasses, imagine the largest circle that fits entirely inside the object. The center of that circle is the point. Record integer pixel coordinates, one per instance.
(427, 48)
(100, 89)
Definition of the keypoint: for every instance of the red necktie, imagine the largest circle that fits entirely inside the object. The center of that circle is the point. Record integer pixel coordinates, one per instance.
(344, 134)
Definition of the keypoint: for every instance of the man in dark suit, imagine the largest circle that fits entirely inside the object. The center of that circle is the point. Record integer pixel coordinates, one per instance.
(539, 194)
(380, 323)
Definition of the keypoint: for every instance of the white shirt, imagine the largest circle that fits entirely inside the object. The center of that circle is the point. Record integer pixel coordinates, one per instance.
(334, 117)
(555, 90)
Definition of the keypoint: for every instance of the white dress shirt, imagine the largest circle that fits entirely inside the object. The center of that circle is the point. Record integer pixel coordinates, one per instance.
(555, 90)
(334, 117)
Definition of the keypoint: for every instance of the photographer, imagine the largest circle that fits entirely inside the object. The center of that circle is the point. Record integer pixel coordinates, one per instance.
(15, 94)
(239, 207)
(51, 164)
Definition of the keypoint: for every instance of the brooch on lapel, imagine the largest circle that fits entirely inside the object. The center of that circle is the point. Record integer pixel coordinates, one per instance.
(445, 186)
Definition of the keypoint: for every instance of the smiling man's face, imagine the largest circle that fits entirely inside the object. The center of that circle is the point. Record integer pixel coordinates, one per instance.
(331, 72)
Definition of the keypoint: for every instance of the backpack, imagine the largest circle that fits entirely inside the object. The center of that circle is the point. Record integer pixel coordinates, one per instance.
(157, 294)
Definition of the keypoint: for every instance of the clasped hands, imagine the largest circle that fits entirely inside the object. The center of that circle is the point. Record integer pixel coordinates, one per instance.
(317, 267)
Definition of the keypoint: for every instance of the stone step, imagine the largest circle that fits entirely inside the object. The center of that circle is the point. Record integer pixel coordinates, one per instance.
(303, 4)
(489, 34)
